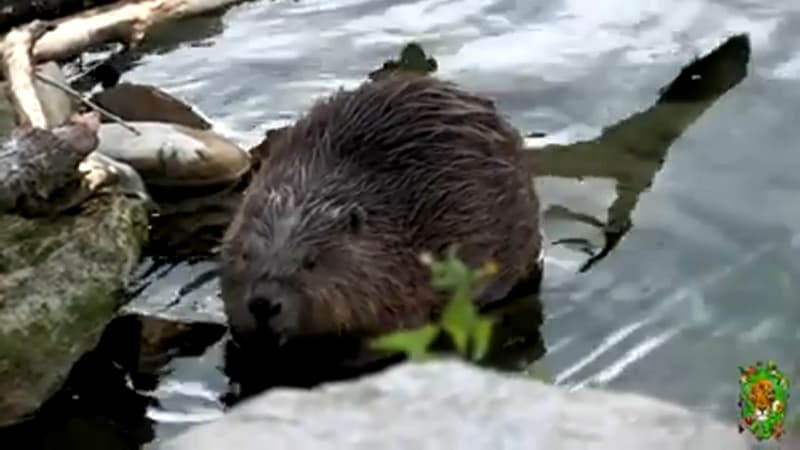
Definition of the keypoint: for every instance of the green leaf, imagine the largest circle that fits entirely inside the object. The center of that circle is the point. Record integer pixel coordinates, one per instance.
(457, 320)
(413, 54)
(481, 338)
(450, 274)
(469, 331)
(414, 343)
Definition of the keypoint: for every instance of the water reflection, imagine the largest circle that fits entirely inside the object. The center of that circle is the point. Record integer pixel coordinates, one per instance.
(632, 151)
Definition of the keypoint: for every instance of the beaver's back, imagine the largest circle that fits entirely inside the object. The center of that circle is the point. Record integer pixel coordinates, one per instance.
(431, 164)
(413, 149)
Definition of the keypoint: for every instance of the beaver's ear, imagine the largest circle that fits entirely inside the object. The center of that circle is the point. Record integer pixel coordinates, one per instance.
(355, 218)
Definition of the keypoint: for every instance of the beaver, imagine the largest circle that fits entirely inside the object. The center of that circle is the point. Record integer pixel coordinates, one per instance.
(328, 237)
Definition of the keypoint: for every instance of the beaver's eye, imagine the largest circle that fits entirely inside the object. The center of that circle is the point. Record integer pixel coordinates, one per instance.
(310, 262)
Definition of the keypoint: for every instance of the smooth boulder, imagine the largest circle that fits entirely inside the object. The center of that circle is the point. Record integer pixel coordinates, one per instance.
(61, 281)
(453, 405)
(171, 155)
(141, 102)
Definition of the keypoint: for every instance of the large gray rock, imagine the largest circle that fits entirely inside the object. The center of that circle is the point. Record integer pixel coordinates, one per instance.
(452, 405)
(172, 155)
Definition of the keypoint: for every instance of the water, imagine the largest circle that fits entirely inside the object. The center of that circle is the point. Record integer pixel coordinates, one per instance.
(705, 281)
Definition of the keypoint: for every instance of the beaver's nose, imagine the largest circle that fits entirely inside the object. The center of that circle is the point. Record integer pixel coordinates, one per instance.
(263, 309)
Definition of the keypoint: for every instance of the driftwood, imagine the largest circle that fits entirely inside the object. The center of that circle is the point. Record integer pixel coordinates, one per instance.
(38, 41)
(19, 60)
(18, 69)
(125, 22)
(18, 12)
(46, 164)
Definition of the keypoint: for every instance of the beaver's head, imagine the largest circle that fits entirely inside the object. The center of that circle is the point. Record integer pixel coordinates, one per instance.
(304, 265)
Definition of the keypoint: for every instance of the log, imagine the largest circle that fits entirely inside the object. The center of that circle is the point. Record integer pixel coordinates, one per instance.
(18, 70)
(18, 12)
(47, 164)
(126, 22)
(24, 47)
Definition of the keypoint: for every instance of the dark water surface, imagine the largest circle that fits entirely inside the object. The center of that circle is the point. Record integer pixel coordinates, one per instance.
(706, 280)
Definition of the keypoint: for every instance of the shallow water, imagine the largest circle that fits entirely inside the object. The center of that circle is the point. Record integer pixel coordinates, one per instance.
(706, 280)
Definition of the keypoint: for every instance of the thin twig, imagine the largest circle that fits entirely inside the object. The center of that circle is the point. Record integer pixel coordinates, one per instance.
(86, 71)
(87, 102)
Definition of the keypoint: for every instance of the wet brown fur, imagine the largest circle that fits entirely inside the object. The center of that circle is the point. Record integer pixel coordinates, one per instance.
(361, 185)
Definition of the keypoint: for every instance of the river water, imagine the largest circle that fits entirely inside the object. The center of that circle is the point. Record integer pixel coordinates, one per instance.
(707, 278)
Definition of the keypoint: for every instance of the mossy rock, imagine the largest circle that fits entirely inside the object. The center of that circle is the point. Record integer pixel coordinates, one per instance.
(61, 281)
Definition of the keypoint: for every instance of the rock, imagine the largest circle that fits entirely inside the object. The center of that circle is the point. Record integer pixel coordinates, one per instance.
(39, 168)
(449, 404)
(192, 225)
(139, 102)
(170, 155)
(100, 171)
(57, 105)
(61, 280)
(162, 339)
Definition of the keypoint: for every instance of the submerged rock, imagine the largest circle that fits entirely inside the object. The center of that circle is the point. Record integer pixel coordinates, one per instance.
(171, 155)
(452, 405)
(162, 339)
(61, 280)
(139, 102)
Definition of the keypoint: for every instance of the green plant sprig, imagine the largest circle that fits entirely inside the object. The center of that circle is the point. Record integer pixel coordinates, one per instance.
(469, 331)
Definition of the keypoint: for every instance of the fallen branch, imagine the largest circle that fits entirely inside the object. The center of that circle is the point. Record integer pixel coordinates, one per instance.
(125, 22)
(19, 12)
(18, 71)
(39, 41)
